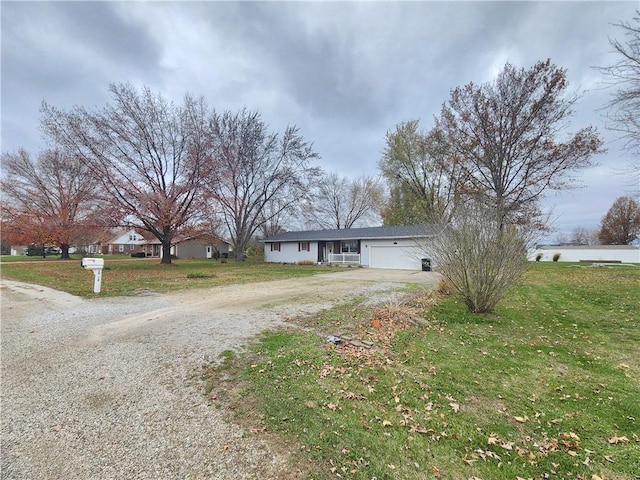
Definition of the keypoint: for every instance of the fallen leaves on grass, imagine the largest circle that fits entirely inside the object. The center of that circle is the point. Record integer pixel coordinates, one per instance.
(615, 440)
(381, 327)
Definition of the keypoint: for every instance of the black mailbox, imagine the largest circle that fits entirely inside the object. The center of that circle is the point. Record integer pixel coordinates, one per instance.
(426, 264)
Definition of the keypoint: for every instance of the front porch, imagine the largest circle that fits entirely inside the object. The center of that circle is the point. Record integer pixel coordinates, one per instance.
(344, 258)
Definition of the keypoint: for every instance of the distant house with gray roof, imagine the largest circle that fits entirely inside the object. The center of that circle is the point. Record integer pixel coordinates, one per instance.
(397, 247)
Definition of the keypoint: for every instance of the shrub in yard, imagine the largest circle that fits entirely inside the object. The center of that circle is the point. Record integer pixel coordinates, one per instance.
(480, 258)
(445, 287)
(556, 257)
(305, 262)
(199, 275)
(255, 252)
(538, 257)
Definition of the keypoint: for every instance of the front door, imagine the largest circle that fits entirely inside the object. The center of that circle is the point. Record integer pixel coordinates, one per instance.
(322, 251)
(209, 254)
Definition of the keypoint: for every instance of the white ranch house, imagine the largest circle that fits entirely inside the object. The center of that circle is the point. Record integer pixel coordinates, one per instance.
(396, 247)
(587, 253)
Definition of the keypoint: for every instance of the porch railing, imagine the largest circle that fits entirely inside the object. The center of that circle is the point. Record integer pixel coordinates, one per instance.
(351, 258)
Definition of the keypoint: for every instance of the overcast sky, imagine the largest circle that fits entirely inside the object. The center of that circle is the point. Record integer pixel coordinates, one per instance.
(344, 72)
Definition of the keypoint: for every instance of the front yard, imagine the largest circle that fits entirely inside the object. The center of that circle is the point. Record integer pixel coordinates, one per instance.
(131, 276)
(547, 387)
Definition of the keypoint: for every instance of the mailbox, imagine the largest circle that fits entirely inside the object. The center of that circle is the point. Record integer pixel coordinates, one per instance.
(95, 265)
(92, 263)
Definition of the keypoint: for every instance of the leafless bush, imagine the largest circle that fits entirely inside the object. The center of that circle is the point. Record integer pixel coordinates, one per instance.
(480, 260)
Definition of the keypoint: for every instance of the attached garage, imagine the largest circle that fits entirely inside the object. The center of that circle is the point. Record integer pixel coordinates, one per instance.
(399, 247)
(394, 256)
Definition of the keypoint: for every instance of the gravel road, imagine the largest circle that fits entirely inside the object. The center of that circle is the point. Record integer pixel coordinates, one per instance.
(108, 388)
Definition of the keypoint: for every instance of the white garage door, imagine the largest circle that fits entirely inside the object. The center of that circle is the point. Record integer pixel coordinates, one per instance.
(396, 257)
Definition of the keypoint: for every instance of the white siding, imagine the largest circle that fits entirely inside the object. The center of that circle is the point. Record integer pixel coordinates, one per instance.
(624, 254)
(401, 254)
(289, 253)
(393, 253)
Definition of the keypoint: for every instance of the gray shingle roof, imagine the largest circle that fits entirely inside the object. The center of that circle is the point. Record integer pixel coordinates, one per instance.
(369, 233)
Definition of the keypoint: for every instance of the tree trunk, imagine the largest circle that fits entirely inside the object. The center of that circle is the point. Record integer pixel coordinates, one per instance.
(166, 253)
(64, 255)
(239, 246)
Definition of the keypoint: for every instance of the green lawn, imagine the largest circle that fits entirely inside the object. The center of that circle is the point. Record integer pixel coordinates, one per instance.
(546, 387)
(131, 276)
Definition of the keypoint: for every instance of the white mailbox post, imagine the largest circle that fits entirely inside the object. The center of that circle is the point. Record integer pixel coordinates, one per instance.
(96, 265)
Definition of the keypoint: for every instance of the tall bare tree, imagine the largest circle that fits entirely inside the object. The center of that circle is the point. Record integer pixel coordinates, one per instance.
(147, 152)
(624, 107)
(420, 174)
(509, 139)
(52, 199)
(340, 202)
(277, 217)
(507, 143)
(621, 224)
(259, 175)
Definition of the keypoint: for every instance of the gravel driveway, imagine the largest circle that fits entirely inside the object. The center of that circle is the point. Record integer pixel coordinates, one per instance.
(108, 388)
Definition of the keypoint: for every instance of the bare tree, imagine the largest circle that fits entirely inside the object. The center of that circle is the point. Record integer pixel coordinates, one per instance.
(340, 202)
(621, 224)
(504, 144)
(624, 107)
(504, 137)
(481, 261)
(259, 175)
(561, 238)
(420, 175)
(584, 236)
(53, 199)
(147, 152)
(578, 236)
(277, 217)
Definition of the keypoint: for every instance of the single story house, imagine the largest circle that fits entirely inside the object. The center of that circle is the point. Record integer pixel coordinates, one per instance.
(201, 247)
(586, 253)
(205, 246)
(396, 247)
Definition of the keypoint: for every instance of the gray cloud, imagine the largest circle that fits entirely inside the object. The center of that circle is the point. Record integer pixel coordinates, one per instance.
(344, 72)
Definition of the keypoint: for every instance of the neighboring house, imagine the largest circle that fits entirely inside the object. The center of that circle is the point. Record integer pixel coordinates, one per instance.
(587, 253)
(124, 242)
(195, 247)
(201, 247)
(397, 247)
(18, 249)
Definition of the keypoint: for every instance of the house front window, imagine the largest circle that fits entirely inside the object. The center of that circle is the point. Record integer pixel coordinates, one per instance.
(275, 246)
(304, 247)
(349, 246)
(121, 248)
(132, 247)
